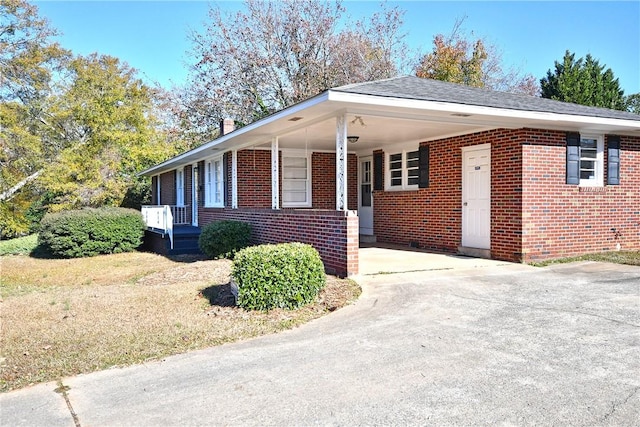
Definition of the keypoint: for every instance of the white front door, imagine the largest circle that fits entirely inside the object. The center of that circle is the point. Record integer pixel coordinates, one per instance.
(365, 197)
(194, 195)
(476, 196)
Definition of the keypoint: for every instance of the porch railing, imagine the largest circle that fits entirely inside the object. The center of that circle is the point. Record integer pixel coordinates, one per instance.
(159, 218)
(180, 214)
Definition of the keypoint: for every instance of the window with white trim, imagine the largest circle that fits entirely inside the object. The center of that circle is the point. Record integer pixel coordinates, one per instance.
(296, 180)
(403, 170)
(180, 187)
(213, 183)
(591, 160)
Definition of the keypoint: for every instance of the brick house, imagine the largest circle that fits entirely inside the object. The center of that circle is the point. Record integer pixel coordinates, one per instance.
(424, 163)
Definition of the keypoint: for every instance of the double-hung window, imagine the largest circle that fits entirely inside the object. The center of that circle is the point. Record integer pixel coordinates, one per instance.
(585, 160)
(403, 170)
(296, 179)
(213, 183)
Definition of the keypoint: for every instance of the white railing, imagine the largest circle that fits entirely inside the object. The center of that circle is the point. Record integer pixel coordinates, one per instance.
(180, 214)
(159, 218)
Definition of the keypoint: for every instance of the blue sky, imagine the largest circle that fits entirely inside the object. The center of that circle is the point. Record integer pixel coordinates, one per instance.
(152, 36)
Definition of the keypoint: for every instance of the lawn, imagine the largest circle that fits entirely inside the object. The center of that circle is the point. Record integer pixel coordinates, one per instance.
(617, 257)
(66, 317)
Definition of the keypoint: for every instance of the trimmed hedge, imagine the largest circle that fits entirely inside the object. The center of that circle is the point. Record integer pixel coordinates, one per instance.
(222, 239)
(288, 275)
(90, 232)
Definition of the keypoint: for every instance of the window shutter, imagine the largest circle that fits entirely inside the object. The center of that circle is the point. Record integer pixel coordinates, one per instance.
(613, 160)
(423, 165)
(573, 158)
(377, 171)
(154, 190)
(201, 183)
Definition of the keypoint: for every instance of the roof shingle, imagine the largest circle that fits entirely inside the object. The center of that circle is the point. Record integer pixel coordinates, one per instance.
(410, 87)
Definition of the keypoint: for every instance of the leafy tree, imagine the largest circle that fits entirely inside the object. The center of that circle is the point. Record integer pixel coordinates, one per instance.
(583, 81)
(106, 128)
(459, 58)
(276, 53)
(73, 131)
(28, 56)
(29, 59)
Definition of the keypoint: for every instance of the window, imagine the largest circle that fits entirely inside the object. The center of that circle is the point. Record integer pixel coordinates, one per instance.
(180, 187)
(296, 180)
(213, 183)
(585, 160)
(403, 170)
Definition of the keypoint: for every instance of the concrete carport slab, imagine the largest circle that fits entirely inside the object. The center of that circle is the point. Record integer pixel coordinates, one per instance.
(500, 345)
(388, 259)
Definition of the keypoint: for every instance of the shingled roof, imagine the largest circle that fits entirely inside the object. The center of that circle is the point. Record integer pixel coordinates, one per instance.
(416, 88)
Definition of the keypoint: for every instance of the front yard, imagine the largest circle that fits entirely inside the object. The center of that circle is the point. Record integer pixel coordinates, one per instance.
(66, 317)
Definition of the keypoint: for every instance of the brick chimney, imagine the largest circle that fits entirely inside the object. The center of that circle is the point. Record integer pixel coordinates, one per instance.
(226, 126)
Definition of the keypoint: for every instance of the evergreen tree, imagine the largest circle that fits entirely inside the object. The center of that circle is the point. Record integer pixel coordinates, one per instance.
(583, 81)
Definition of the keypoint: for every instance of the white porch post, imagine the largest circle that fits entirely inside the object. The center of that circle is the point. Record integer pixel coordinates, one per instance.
(341, 163)
(234, 179)
(275, 173)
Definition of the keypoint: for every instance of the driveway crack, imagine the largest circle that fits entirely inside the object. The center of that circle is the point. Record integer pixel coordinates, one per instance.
(616, 405)
(62, 389)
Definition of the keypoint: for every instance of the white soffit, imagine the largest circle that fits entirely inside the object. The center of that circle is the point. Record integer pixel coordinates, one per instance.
(444, 108)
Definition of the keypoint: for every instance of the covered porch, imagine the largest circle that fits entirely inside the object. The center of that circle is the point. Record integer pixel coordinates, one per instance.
(327, 172)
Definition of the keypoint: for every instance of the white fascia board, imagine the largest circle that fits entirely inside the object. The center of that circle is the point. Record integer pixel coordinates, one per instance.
(454, 108)
(290, 111)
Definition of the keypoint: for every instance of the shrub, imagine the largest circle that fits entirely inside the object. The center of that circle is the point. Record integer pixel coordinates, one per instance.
(89, 232)
(287, 275)
(19, 245)
(222, 239)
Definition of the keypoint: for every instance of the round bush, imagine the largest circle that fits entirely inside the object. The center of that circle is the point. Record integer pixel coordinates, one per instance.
(287, 275)
(89, 232)
(222, 239)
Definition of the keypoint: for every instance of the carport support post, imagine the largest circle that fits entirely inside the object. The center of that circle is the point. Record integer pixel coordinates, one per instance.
(341, 163)
(275, 172)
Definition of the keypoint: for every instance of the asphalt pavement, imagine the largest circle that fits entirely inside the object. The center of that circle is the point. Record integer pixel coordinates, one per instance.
(502, 344)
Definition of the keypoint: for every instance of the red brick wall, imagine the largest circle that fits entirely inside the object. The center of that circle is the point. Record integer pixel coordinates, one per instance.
(506, 193)
(566, 220)
(432, 216)
(254, 180)
(168, 188)
(534, 214)
(323, 176)
(333, 233)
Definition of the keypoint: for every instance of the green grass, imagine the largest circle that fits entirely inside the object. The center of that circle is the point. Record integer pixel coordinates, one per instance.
(621, 257)
(19, 246)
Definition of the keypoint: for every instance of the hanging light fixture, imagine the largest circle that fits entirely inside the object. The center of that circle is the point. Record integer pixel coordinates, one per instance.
(352, 139)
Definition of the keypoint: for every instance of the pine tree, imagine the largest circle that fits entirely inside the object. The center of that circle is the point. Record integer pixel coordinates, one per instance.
(583, 81)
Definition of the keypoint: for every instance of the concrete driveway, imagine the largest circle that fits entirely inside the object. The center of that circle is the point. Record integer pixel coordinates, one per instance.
(493, 345)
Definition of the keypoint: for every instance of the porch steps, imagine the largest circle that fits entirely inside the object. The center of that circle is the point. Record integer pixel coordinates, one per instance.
(185, 241)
